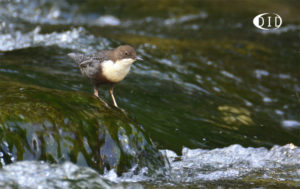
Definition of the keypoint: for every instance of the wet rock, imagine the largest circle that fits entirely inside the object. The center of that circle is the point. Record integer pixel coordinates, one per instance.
(56, 126)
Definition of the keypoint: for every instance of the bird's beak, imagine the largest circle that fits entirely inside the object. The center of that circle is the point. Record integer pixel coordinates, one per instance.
(139, 58)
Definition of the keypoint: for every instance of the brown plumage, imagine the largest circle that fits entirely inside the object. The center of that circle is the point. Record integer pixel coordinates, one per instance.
(106, 67)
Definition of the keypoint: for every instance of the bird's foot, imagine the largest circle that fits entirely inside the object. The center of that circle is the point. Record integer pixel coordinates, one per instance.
(102, 100)
(122, 110)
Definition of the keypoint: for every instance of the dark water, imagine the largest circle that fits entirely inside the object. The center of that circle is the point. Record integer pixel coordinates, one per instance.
(210, 79)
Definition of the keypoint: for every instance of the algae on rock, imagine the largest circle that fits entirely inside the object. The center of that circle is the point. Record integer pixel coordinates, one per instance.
(44, 124)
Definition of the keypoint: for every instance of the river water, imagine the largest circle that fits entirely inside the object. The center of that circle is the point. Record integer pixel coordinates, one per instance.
(219, 97)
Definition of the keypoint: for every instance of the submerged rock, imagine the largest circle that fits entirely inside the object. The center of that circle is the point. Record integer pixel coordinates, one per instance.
(57, 126)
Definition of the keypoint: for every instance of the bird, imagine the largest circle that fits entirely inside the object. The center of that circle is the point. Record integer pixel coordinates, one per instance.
(106, 66)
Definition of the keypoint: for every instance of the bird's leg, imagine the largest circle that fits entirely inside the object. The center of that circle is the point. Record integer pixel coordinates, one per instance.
(111, 91)
(96, 91)
(97, 95)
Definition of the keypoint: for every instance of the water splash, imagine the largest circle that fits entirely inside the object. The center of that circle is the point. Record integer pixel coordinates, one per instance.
(280, 163)
(76, 38)
(32, 174)
(278, 166)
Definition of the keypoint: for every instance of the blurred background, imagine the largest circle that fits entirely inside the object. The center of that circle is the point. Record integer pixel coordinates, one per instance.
(210, 78)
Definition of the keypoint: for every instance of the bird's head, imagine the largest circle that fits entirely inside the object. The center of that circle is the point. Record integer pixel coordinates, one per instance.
(125, 54)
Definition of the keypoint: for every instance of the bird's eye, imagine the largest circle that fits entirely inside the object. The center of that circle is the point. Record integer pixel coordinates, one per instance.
(126, 53)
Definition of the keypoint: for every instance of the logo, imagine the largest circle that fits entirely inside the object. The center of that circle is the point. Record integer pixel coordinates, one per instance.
(267, 21)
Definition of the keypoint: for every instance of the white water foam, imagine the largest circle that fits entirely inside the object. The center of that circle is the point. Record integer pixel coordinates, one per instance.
(235, 162)
(280, 164)
(76, 38)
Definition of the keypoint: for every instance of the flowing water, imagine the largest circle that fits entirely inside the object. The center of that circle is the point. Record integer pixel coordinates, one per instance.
(219, 97)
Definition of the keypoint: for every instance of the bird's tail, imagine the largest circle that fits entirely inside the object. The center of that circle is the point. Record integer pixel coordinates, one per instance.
(77, 57)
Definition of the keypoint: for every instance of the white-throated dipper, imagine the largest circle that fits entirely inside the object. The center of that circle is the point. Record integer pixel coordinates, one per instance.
(106, 67)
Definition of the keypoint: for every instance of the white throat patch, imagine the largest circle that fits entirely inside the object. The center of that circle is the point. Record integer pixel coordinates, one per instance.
(117, 71)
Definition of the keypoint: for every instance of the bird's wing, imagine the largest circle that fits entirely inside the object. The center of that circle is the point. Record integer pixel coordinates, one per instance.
(86, 62)
(92, 60)
(78, 57)
(100, 56)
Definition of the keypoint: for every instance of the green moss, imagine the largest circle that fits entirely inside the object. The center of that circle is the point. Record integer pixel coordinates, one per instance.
(44, 124)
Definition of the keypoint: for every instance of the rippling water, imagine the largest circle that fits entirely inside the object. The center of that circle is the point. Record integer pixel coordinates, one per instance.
(210, 80)
(221, 167)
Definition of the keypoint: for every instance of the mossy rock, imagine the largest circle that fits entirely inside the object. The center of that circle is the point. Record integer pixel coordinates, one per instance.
(56, 126)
